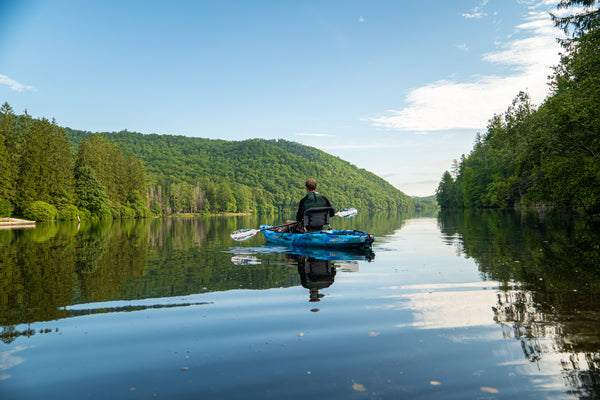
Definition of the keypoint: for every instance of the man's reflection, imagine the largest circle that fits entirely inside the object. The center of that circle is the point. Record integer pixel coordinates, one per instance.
(316, 267)
(315, 275)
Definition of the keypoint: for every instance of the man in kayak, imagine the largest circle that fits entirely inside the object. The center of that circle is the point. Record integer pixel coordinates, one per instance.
(311, 200)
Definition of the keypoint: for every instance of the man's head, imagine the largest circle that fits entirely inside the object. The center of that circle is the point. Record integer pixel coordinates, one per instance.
(311, 185)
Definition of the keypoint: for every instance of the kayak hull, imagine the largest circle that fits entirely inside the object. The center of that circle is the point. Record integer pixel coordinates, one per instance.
(343, 239)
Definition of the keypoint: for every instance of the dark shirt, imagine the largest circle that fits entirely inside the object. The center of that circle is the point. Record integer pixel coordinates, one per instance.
(311, 200)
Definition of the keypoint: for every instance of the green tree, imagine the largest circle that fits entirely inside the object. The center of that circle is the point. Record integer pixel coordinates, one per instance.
(90, 193)
(582, 21)
(445, 192)
(45, 166)
(225, 198)
(9, 153)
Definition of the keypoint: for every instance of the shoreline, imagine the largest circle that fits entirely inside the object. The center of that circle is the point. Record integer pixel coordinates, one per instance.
(14, 223)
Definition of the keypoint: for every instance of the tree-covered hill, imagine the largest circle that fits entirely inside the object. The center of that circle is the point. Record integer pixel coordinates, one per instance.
(185, 174)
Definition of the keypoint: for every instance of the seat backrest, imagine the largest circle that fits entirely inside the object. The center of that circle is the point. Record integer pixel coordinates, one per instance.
(317, 216)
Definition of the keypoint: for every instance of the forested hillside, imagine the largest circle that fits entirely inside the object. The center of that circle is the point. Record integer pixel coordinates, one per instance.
(50, 172)
(547, 155)
(41, 179)
(185, 174)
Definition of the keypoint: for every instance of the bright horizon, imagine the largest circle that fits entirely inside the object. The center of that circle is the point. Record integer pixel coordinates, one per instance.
(390, 86)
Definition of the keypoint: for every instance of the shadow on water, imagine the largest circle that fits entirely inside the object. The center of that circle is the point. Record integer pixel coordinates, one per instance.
(548, 268)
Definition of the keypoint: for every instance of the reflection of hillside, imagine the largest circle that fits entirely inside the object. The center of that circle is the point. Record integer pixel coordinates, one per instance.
(55, 265)
(122, 258)
(36, 277)
(42, 273)
(549, 269)
(177, 232)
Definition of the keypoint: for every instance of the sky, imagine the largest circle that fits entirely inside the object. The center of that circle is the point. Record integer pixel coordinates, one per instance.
(397, 87)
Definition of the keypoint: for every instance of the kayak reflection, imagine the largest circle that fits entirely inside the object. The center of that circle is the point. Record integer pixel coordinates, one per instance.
(316, 267)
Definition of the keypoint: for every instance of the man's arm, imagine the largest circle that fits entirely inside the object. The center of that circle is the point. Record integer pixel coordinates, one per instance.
(300, 213)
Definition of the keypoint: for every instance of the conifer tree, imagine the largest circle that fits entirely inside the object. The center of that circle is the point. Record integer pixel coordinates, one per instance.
(9, 154)
(45, 165)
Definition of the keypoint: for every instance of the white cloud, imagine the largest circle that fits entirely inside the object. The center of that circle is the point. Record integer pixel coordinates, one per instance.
(360, 146)
(476, 12)
(475, 15)
(448, 104)
(315, 134)
(14, 85)
(8, 360)
(361, 19)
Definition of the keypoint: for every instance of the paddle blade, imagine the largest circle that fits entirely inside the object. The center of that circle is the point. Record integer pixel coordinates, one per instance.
(245, 260)
(347, 213)
(244, 234)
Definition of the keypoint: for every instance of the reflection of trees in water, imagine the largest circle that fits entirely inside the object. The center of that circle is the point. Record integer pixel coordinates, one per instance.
(45, 269)
(178, 233)
(42, 273)
(549, 269)
(574, 338)
(123, 257)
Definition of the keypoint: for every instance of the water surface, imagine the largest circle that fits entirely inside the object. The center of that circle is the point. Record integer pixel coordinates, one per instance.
(466, 305)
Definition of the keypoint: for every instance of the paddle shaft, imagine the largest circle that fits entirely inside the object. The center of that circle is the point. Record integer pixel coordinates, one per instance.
(244, 234)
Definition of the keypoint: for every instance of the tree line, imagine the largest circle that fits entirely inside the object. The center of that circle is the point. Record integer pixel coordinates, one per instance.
(199, 175)
(53, 172)
(546, 155)
(43, 180)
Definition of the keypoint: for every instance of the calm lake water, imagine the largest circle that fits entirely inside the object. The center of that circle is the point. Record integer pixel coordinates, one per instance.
(475, 305)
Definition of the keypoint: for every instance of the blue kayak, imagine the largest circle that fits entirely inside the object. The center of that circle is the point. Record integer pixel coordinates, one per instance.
(325, 238)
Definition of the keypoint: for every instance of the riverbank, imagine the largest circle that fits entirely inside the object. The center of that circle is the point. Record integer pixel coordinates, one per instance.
(14, 223)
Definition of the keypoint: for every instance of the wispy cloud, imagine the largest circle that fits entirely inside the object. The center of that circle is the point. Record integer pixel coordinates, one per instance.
(463, 47)
(448, 104)
(476, 12)
(14, 85)
(359, 146)
(315, 134)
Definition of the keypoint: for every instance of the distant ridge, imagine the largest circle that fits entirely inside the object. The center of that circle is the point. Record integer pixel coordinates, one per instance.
(273, 170)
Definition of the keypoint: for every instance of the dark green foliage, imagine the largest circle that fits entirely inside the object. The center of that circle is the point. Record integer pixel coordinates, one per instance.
(549, 155)
(121, 177)
(45, 164)
(68, 213)
(6, 208)
(36, 165)
(182, 175)
(127, 212)
(91, 195)
(201, 175)
(40, 211)
(445, 192)
(8, 158)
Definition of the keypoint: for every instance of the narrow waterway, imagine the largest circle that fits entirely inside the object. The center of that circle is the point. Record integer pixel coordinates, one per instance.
(465, 305)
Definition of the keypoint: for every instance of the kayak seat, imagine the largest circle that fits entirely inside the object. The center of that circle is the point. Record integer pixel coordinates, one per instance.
(315, 218)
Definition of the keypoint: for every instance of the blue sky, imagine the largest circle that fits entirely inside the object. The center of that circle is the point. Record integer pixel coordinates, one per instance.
(397, 87)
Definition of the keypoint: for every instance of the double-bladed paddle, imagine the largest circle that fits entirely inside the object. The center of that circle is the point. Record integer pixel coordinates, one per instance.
(243, 234)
